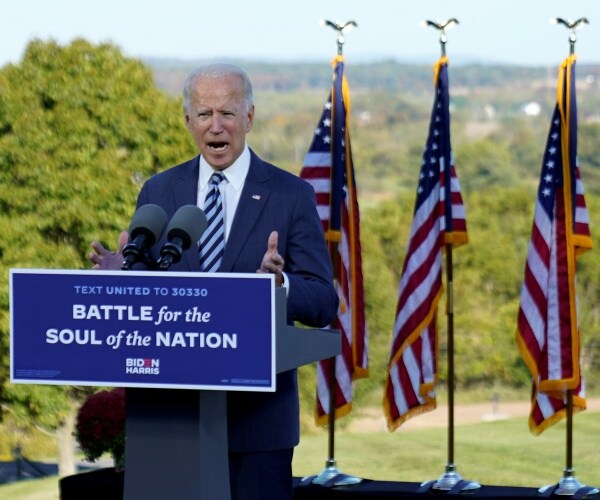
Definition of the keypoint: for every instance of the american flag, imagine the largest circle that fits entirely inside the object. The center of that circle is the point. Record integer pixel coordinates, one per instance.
(329, 169)
(439, 220)
(548, 330)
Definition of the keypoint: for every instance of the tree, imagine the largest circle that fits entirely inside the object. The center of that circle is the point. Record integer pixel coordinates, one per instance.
(81, 127)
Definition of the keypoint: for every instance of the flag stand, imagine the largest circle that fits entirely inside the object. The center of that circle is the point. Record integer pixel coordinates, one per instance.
(568, 484)
(331, 475)
(450, 480)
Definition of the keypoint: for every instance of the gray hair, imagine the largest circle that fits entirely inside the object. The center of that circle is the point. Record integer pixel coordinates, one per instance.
(218, 70)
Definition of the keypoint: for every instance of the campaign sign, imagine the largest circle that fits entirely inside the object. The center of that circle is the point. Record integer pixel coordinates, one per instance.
(211, 331)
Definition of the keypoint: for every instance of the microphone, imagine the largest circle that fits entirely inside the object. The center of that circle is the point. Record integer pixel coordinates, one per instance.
(186, 226)
(145, 228)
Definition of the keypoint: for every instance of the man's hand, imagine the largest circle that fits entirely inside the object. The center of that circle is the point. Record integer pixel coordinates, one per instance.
(104, 259)
(272, 262)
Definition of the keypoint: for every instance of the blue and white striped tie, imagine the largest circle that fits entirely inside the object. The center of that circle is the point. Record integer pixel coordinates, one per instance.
(212, 241)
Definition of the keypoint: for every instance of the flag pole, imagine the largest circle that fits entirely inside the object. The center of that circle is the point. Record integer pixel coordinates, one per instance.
(331, 475)
(568, 484)
(450, 479)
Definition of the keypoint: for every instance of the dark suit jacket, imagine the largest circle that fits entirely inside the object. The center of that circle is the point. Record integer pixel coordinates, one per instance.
(271, 200)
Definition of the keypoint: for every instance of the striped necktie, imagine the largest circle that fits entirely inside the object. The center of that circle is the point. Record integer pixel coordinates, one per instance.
(212, 241)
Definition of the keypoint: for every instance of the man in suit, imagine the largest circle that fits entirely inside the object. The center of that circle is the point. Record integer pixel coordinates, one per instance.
(270, 225)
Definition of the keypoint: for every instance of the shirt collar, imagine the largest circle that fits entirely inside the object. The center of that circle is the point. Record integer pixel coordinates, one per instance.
(235, 173)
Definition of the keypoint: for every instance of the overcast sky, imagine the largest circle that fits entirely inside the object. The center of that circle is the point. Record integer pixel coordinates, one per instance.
(503, 31)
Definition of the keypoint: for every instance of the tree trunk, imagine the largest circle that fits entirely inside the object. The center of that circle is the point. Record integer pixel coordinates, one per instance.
(66, 445)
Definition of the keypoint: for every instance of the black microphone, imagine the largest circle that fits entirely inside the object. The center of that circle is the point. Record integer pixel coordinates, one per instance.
(185, 228)
(145, 228)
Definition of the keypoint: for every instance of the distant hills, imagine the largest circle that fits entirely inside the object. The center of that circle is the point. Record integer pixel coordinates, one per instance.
(382, 75)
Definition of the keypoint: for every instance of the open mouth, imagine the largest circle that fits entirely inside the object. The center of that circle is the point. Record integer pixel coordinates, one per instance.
(218, 147)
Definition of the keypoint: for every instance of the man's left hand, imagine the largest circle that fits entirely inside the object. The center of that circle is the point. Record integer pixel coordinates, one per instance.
(273, 262)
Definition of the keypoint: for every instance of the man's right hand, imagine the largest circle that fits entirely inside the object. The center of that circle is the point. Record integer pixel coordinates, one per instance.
(104, 259)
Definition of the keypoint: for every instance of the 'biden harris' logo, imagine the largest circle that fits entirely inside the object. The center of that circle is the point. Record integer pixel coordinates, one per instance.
(142, 366)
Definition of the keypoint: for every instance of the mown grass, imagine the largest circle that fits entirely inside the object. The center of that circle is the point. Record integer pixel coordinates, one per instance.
(499, 452)
(491, 453)
(33, 489)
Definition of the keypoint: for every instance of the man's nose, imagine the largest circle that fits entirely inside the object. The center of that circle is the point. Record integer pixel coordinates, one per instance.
(216, 124)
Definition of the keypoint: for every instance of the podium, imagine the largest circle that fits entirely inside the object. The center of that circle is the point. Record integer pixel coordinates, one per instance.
(177, 439)
(172, 341)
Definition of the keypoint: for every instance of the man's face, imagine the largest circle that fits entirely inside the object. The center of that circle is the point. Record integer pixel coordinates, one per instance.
(218, 119)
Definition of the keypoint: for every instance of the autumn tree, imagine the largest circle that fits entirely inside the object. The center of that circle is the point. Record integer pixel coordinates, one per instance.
(81, 127)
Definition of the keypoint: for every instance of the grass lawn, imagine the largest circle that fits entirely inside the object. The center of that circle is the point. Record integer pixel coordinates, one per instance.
(34, 489)
(500, 453)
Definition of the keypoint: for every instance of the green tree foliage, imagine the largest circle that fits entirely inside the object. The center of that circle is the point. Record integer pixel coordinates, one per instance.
(484, 163)
(81, 127)
(382, 227)
(488, 276)
(589, 155)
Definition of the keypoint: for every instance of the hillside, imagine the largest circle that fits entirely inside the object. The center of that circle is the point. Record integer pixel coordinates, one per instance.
(500, 117)
(382, 75)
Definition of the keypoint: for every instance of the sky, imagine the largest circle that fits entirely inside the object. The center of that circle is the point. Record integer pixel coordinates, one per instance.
(488, 31)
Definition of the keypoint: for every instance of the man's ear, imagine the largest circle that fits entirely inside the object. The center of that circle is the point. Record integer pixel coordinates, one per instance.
(250, 119)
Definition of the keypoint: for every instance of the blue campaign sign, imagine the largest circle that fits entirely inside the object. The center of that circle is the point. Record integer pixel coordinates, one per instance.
(211, 331)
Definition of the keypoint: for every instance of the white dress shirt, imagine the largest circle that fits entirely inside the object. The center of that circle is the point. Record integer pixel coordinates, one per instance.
(231, 191)
(231, 187)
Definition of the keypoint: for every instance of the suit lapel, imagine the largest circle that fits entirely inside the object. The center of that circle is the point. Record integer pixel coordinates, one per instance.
(252, 202)
(185, 192)
(185, 188)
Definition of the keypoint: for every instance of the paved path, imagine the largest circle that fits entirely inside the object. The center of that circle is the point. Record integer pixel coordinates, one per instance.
(372, 419)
